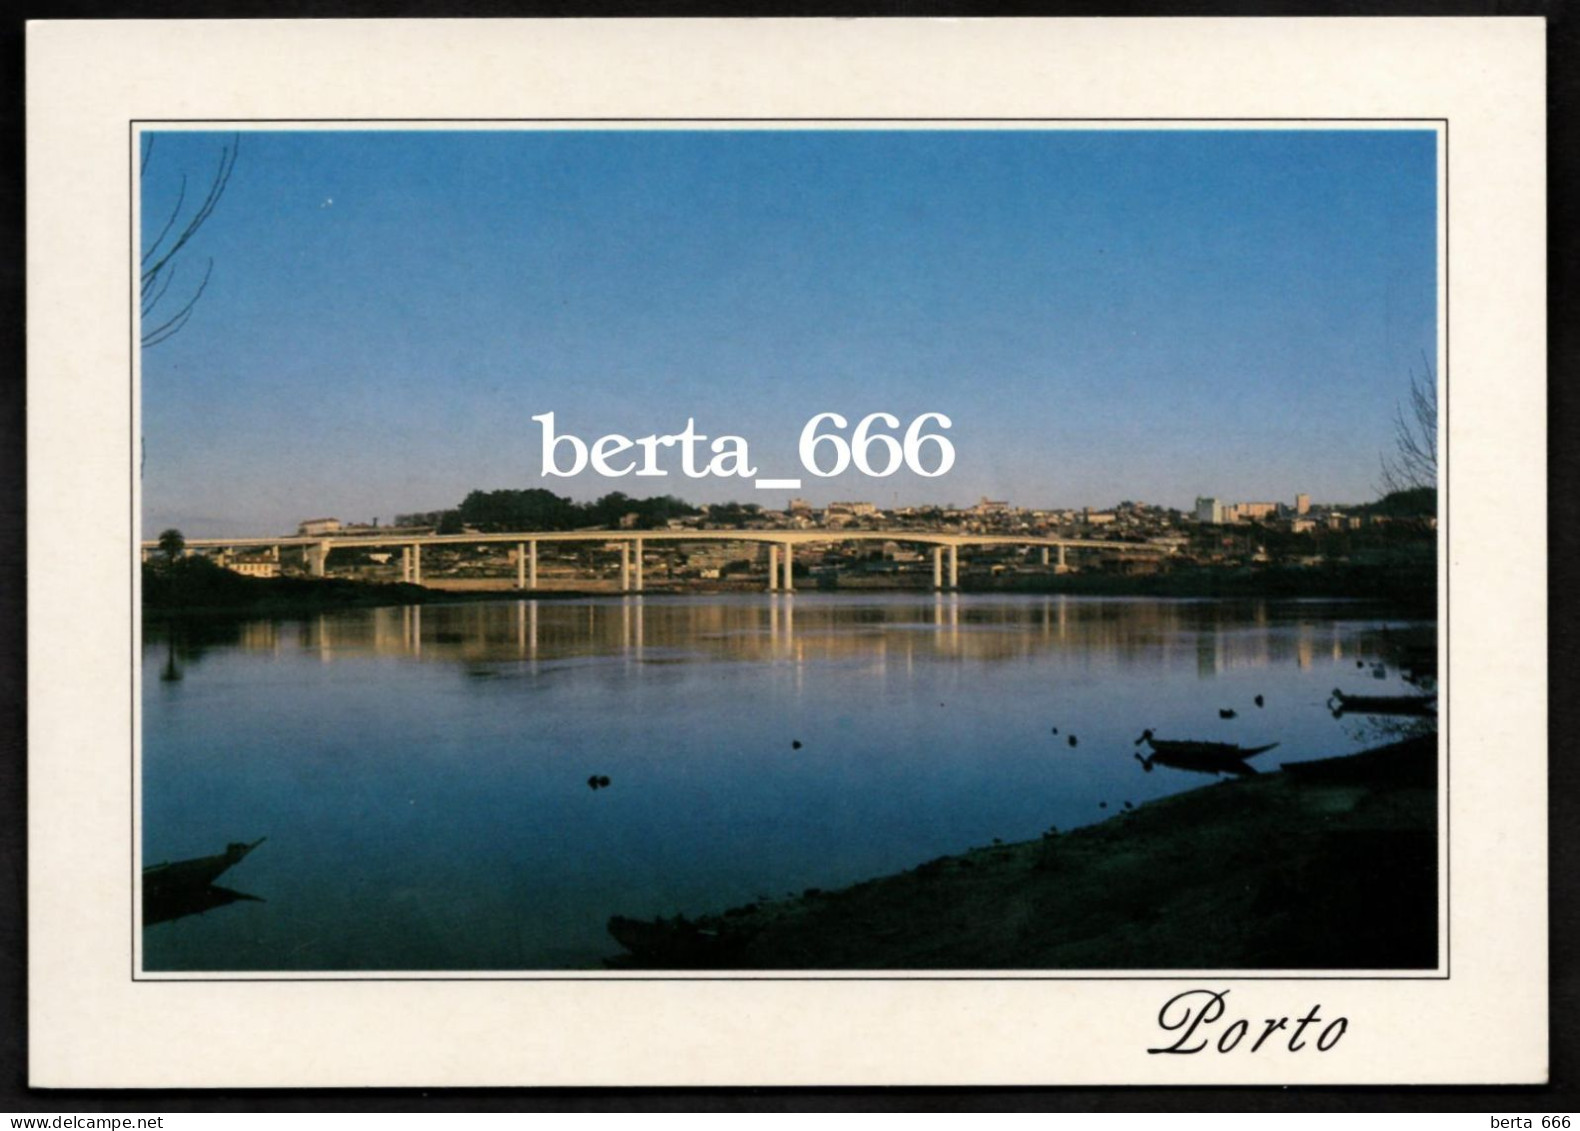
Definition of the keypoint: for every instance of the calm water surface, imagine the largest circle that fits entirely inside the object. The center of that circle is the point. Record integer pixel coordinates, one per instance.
(421, 773)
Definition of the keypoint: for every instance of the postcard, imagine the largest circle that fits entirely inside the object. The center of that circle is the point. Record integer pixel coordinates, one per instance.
(787, 552)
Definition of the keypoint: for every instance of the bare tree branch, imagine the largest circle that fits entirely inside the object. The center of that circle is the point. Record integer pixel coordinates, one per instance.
(179, 319)
(163, 232)
(200, 217)
(1413, 462)
(151, 301)
(159, 260)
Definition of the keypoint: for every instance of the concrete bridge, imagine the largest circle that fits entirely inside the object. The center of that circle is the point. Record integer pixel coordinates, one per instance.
(781, 543)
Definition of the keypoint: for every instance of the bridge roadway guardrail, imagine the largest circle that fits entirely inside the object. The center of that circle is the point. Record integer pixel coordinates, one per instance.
(318, 547)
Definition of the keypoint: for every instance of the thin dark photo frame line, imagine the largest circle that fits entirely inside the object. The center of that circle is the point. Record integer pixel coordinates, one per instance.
(917, 119)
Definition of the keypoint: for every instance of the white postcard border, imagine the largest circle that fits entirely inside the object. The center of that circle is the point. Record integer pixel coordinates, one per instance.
(92, 1025)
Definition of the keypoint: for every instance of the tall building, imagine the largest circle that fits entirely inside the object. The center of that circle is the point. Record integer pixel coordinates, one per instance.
(1302, 504)
(1209, 510)
(1240, 512)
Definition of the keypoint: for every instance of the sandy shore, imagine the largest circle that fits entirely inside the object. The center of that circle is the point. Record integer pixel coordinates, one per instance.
(1333, 866)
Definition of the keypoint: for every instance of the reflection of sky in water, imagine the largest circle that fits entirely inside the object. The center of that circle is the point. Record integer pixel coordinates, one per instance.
(421, 774)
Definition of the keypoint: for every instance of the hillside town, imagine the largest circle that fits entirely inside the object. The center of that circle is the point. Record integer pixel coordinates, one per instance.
(1131, 538)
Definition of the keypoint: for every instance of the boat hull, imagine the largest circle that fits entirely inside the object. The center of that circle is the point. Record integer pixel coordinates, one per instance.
(186, 887)
(1408, 705)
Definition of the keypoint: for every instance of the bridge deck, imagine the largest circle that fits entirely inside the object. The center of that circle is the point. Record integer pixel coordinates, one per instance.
(778, 537)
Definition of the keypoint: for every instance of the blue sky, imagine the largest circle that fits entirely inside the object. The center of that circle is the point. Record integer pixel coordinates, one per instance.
(1103, 315)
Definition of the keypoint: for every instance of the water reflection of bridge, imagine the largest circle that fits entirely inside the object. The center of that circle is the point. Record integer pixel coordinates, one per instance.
(1212, 638)
(631, 546)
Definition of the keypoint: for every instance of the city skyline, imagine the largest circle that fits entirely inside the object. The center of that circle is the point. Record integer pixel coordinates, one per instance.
(1102, 315)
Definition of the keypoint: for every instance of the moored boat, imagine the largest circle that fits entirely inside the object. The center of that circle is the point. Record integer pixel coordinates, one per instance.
(1340, 703)
(1202, 757)
(192, 875)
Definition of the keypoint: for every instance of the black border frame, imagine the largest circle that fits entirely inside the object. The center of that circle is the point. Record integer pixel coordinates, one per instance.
(1561, 176)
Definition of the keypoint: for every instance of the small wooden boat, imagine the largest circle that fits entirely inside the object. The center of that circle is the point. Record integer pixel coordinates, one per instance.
(196, 873)
(186, 887)
(1417, 705)
(1201, 757)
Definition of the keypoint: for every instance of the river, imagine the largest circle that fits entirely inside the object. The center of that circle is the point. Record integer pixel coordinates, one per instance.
(422, 773)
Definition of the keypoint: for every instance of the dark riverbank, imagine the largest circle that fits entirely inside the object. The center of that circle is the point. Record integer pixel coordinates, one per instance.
(195, 587)
(1409, 584)
(1332, 865)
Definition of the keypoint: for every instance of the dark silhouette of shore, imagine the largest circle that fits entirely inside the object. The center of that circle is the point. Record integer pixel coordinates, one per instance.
(1329, 866)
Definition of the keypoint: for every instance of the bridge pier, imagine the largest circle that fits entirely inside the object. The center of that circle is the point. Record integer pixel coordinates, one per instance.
(313, 552)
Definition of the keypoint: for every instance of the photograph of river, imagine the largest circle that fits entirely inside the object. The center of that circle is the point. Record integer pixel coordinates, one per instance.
(807, 547)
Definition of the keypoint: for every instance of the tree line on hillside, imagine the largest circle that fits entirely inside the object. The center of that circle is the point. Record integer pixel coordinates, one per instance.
(504, 511)
(536, 509)
(1410, 502)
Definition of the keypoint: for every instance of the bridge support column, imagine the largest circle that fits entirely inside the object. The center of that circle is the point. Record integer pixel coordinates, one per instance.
(638, 578)
(532, 564)
(938, 567)
(317, 558)
(954, 567)
(773, 568)
(416, 562)
(789, 568)
(521, 565)
(625, 567)
(1045, 555)
(1062, 566)
(405, 563)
